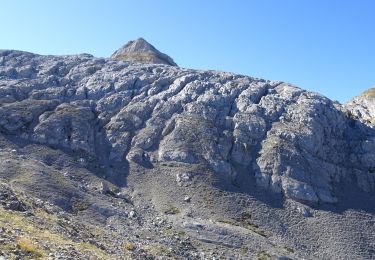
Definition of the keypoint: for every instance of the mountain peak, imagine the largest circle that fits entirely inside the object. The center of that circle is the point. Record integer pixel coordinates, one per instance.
(369, 93)
(142, 51)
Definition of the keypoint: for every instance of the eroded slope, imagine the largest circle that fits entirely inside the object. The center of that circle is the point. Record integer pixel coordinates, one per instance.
(226, 158)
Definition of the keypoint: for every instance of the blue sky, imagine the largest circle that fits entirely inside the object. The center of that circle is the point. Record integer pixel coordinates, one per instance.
(327, 46)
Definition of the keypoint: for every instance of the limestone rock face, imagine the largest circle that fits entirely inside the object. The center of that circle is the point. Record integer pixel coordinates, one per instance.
(292, 142)
(362, 107)
(142, 51)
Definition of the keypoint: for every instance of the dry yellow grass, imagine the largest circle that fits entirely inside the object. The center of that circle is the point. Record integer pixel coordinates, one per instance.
(29, 246)
(13, 220)
(129, 246)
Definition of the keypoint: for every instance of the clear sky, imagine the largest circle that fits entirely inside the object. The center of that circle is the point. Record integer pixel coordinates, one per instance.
(327, 46)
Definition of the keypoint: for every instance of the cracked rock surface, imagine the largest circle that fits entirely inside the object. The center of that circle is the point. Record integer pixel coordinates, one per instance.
(143, 125)
(294, 142)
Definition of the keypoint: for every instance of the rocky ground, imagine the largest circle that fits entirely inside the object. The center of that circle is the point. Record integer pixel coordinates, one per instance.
(108, 158)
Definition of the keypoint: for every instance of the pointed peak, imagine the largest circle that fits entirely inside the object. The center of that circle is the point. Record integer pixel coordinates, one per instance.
(369, 93)
(139, 44)
(142, 51)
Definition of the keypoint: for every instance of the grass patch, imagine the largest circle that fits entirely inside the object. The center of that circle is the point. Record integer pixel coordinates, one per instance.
(129, 246)
(29, 246)
(79, 205)
(28, 229)
(181, 233)
(172, 210)
(158, 250)
(244, 221)
(263, 255)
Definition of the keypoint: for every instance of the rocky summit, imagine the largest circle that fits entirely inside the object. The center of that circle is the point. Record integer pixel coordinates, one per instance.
(142, 51)
(132, 157)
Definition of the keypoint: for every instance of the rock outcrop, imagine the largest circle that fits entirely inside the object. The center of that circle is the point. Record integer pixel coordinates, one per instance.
(142, 51)
(183, 163)
(292, 141)
(362, 107)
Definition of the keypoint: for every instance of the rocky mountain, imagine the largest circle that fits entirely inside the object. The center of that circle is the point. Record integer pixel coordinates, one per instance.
(133, 157)
(362, 107)
(142, 51)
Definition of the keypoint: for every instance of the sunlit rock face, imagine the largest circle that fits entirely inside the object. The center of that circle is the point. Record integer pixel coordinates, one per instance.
(135, 107)
(141, 51)
(362, 107)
